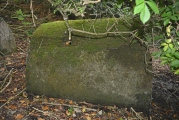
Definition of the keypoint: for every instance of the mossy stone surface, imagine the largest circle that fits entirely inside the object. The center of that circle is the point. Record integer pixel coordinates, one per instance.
(100, 70)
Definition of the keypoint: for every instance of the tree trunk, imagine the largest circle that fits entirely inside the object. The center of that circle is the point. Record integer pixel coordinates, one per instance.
(7, 40)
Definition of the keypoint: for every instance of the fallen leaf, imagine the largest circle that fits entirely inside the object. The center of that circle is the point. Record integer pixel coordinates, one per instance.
(62, 101)
(46, 113)
(87, 116)
(40, 119)
(37, 97)
(68, 113)
(15, 89)
(93, 114)
(74, 115)
(22, 101)
(24, 94)
(70, 102)
(51, 99)
(45, 108)
(12, 107)
(77, 110)
(83, 109)
(100, 112)
(19, 116)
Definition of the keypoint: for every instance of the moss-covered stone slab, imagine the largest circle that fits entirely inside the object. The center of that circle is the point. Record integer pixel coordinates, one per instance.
(100, 70)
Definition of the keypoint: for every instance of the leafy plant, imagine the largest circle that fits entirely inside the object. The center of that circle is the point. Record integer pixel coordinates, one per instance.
(169, 52)
(19, 15)
(170, 14)
(142, 9)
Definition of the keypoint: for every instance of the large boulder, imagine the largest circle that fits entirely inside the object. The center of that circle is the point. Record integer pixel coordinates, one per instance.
(7, 40)
(100, 70)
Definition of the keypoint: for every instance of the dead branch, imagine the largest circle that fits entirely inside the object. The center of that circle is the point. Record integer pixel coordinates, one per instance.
(85, 2)
(100, 34)
(173, 94)
(7, 3)
(32, 12)
(46, 113)
(4, 81)
(73, 106)
(136, 114)
(11, 98)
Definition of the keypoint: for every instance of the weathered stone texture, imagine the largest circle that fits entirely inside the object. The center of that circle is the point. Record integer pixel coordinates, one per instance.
(105, 70)
(7, 40)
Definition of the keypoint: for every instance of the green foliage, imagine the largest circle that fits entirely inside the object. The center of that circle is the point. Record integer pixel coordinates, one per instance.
(169, 52)
(170, 13)
(168, 33)
(170, 44)
(19, 15)
(142, 8)
(22, 17)
(105, 8)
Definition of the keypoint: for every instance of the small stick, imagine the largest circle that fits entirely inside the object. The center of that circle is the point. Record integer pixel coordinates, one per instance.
(32, 12)
(6, 79)
(11, 98)
(74, 106)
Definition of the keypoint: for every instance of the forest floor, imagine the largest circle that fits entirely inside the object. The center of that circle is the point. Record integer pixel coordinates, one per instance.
(17, 104)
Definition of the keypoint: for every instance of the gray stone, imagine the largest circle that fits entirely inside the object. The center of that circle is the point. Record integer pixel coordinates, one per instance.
(103, 70)
(7, 40)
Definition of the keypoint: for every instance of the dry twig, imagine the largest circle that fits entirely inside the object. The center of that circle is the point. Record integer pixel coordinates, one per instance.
(7, 3)
(4, 87)
(11, 98)
(32, 12)
(73, 106)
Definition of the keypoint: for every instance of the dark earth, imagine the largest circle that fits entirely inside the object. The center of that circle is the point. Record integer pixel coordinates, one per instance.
(165, 105)
(17, 104)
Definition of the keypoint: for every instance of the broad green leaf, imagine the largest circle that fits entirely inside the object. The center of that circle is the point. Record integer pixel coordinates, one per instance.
(164, 58)
(145, 15)
(171, 46)
(164, 62)
(173, 18)
(164, 44)
(168, 40)
(139, 8)
(174, 63)
(20, 18)
(166, 22)
(173, 50)
(165, 48)
(139, 2)
(176, 55)
(164, 14)
(19, 12)
(168, 55)
(177, 71)
(153, 6)
(169, 13)
(156, 54)
(169, 51)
